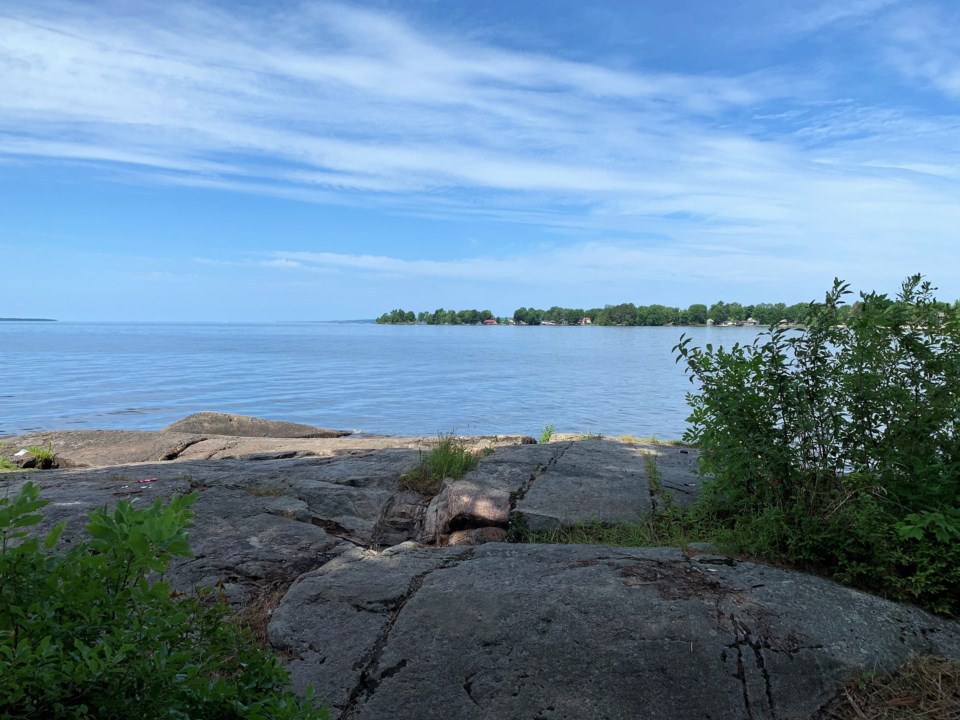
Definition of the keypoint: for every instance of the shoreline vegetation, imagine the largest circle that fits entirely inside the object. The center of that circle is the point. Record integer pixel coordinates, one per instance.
(623, 315)
(720, 314)
(12, 319)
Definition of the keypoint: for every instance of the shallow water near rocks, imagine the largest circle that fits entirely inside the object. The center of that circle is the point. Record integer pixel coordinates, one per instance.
(416, 380)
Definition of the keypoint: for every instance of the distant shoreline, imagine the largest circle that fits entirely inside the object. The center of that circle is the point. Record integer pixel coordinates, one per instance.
(27, 320)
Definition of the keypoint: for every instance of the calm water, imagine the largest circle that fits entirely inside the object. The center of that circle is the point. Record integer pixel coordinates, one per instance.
(379, 379)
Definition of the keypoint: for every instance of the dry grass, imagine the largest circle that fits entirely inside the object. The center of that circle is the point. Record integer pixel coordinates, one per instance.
(654, 440)
(255, 617)
(924, 687)
(265, 491)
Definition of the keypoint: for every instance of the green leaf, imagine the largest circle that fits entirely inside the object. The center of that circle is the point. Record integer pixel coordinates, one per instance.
(51, 538)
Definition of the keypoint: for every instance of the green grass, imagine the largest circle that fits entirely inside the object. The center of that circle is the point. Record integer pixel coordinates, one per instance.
(589, 436)
(546, 433)
(7, 465)
(43, 455)
(449, 459)
(653, 440)
(670, 528)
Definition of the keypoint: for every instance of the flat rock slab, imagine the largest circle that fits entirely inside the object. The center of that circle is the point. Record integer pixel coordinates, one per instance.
(218, 423)
(257, 523)
(539, 631)
(675, 469)
(564, 483)
(97, 448)
(106, 448)
(589, 480)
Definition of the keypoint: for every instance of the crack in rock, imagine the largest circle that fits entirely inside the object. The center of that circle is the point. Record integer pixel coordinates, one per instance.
(538, 472)
(179, 449)
(468, 688)
(371, 676)
(744, 639)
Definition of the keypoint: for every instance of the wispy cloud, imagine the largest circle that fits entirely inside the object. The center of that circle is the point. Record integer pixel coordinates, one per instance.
(815, 16)
(922, 47)
(331, 103)
(607, 271)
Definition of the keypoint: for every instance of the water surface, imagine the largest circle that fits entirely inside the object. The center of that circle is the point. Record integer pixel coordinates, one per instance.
(356, 376)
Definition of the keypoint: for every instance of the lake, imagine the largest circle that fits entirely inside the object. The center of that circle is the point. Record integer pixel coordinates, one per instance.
(357, 376)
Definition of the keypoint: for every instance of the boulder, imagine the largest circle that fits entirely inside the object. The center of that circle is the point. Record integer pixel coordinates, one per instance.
(485, 496)
(217, 423)
(562, 631)
(477, 536)
(103, 448)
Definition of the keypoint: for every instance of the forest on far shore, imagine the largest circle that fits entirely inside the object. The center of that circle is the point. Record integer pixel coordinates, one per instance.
(623, 315)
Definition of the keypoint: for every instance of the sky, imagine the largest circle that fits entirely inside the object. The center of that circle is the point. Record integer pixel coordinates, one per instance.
(249, 161)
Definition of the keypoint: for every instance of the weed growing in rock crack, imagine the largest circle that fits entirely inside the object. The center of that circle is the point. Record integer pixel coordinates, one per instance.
(667, 528)
(7, 465)
(449, 459)
(655, 483)
(43, 455)
(265, 491)
(546, 433)
(589, 436)
(255, 616)
(194, 483)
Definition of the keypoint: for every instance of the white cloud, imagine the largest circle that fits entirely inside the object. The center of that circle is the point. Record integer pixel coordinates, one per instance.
(328, 103)
(818, 15)
(922, 47)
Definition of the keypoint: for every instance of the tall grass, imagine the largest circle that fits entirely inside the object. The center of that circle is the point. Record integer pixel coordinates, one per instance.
(449, 459)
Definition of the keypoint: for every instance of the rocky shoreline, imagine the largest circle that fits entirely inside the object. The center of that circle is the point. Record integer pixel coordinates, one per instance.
(397, 605)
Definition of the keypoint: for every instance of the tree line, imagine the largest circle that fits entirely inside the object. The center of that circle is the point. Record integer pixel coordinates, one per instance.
(623, 314)
(696, 314)
(626, 314)
(437, 317)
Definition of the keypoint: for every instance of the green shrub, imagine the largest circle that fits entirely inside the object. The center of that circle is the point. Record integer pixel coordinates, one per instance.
(837, 446)
(449, 459)
(88, 632)
(546, 434)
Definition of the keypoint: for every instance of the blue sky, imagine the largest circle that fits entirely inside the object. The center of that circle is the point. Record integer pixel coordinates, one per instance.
(315, 160)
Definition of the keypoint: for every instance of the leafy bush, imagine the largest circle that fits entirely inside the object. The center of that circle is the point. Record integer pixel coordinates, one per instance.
(837, 446)
(89, 632)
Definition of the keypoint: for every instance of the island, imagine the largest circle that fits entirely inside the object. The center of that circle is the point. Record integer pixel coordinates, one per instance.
(623, 314)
